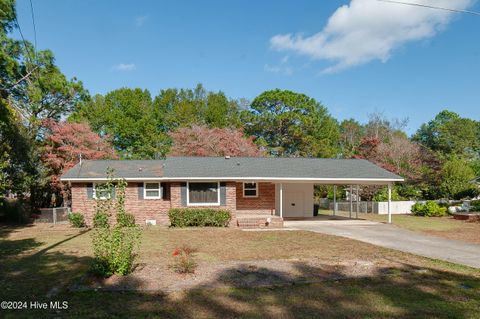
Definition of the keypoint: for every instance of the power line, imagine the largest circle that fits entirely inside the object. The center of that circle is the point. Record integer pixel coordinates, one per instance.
(431, 7)
(34, 28)
(23, 38)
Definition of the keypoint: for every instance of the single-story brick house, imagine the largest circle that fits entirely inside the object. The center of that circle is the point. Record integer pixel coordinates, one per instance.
(255, 190)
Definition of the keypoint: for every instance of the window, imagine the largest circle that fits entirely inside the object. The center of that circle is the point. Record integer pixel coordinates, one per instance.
(203, 193)
(250, 189)
(152, 190)
(100, 191)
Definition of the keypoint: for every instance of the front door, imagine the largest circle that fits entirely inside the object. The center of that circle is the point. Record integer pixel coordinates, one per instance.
(293, 204)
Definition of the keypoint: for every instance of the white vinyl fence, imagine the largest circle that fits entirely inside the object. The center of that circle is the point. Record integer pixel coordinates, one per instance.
(381, 208)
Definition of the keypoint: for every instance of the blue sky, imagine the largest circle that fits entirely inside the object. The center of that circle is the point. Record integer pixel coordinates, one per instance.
(356, 57)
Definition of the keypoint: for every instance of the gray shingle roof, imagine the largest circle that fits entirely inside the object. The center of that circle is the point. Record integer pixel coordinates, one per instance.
(235, 167)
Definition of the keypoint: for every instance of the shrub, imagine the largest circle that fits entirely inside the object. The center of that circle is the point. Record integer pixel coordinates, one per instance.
(76, 220)
(184, 262)
(184, 217)
(475, 206)
(429, 209)
(100, 220)
(114, 246)
(113, 249)
(126, 220)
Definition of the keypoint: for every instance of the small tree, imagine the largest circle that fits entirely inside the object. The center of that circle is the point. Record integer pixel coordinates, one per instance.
(113, 245)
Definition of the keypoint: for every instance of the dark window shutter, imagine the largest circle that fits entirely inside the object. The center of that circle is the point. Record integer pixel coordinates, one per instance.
(89, 190)
(165, 190)
(113, 193)
(223, 193)
(140, 190)
(183, 193)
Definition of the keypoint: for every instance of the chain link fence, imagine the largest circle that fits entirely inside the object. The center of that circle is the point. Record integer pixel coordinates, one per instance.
(56, 215)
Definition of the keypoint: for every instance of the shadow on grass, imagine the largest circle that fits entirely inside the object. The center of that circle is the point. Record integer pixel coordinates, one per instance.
(406, 292)
(241, 291)
(26, 275)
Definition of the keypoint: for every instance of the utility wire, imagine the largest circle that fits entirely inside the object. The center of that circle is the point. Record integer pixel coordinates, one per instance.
(431, 7)
(34, 28)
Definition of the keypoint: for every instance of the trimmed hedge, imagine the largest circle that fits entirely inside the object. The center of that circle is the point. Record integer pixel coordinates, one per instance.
(429, 209)
(185, 217)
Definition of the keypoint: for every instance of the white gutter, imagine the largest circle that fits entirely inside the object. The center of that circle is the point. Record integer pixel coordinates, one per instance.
(233, 178)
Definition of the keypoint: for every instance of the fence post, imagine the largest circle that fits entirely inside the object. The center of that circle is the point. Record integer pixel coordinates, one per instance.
(54, 212)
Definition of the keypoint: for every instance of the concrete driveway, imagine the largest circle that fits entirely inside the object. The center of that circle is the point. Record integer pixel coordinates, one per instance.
(390, 236)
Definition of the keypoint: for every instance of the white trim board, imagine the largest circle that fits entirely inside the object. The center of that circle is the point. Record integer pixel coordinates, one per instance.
(233, 178)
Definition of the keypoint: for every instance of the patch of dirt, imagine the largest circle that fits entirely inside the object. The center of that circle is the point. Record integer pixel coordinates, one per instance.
(255, 273)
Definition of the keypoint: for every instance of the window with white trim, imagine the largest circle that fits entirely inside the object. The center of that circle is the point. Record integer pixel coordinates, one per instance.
(250, 189)
(152, 190)
(100, 191)
(203, 193)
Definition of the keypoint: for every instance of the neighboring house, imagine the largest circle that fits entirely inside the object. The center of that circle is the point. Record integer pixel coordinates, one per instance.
(257, 191)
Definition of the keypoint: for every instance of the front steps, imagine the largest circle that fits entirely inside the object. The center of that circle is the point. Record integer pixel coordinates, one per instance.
(259, 221)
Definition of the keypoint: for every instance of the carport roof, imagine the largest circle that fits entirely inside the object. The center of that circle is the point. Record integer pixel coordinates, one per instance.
(235, 168)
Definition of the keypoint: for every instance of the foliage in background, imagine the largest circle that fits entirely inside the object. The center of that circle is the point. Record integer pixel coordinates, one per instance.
(291, 124)
(450, 134)
(127, 115)
(456, 177)
(32, 90)
(429, 209)
(76, 220)
(114, 245)
(204, 141)
(201, 217)
(65, 143)
(382, 195)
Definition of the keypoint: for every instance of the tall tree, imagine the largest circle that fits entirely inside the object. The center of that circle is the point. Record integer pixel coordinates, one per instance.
(291, 124)
(456, 179)
(448, 133)
(186, 107)
(128, 116)
(32, 89)
(351, 134)
(204, 141)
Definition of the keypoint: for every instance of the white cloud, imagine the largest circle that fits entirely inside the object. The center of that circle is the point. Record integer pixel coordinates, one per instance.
(140, 20)
(367, 30)
(124, 67)
(279, 69)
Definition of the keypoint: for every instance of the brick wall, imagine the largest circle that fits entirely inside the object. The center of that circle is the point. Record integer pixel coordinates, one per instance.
(144, 209)
(263, 204)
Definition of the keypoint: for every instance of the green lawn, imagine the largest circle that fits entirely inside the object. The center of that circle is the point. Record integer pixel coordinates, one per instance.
(42, 263)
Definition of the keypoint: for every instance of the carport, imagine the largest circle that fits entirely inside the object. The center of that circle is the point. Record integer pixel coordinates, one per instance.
(294, 196)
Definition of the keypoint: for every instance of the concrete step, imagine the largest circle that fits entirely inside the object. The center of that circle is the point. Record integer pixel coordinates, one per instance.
(259, 221)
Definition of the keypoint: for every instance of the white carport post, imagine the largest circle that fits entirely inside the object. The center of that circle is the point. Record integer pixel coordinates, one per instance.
(351, 200)
(281, 200)
(334, 200)
(389, 203)
(358, 202)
